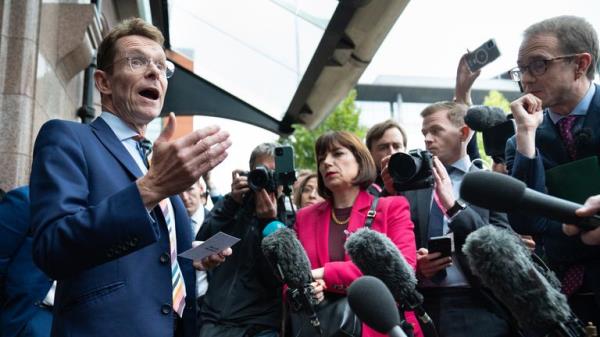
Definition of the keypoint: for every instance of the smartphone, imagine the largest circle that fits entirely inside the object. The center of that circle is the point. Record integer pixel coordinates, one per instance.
(486, 53)
(284, 165)
(440, 244)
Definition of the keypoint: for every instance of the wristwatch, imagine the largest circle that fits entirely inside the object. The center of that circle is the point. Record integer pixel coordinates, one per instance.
(458, 206)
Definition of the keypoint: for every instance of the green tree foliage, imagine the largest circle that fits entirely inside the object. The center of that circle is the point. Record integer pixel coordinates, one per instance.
(344, 117)
(496, 99)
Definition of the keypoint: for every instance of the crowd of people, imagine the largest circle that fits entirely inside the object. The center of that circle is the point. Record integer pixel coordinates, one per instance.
(90, 247)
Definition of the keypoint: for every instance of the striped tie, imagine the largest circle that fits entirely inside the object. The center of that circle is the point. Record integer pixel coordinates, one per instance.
(145, 147)
(176, 275)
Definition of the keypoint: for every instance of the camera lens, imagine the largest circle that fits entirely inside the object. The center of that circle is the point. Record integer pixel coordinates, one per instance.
(481, 56)
(490, 44)
(278, 151)
(258, 178)
(402, 167)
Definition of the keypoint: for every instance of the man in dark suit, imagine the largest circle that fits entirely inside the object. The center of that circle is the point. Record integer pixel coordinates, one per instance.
(557, 121)
(453, 298)
(109, 226)
(25, 301)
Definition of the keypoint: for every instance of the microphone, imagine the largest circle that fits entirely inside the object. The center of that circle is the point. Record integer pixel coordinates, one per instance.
(287, 256)
(503, 264)
(481, 117)
(500, 192)
(376, 255)
(272, 227)
(372, 302)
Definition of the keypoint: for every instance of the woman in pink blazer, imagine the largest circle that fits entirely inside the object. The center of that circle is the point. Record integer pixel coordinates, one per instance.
(345, 170)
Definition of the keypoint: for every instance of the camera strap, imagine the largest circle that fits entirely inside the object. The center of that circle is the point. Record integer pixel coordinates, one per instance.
(372, 212)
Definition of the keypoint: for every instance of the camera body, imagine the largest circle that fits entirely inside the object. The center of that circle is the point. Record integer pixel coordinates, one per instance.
(486, 53)
(283, 175)
(412, 170)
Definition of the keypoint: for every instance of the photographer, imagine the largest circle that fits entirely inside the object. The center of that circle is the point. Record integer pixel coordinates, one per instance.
(383, 140)
(446, 282)
(244, 297)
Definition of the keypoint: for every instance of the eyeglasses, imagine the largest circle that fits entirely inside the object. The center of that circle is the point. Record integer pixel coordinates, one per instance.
(140, 63)
(536, 67)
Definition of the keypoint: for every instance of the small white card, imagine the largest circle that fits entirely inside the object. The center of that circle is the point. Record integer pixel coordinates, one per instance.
(213, 245)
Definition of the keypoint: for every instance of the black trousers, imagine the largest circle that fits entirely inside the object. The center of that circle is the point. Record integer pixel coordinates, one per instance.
(463, 312)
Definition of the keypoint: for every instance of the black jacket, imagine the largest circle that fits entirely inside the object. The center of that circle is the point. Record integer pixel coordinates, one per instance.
(243, 291)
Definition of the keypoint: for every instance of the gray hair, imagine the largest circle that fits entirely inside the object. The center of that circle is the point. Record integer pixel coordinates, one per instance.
(264, 149)
(575, 35)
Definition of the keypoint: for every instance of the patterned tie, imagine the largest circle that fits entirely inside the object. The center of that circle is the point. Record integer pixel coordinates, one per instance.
(573, 278)
(565, 126)
(144, 146)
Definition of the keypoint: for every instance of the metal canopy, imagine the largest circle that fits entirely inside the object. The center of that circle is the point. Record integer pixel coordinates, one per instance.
(412, 90)
(189, 95)
(347, 46)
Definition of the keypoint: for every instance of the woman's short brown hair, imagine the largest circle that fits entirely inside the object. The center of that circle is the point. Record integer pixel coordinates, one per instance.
(367, 171)
(131, 26)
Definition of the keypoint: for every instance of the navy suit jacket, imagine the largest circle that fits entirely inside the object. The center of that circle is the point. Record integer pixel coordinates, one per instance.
(24, 285)
(94, 235)
(464, 223)
(561, 250)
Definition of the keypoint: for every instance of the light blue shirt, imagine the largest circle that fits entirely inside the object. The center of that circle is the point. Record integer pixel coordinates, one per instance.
(580, 109)
(125, 134)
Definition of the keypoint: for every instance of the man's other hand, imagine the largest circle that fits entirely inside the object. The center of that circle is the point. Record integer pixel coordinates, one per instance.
(591, 207)
(239, 186)
(388, 181)
(429, 264)
(177, 164)
(212, 260)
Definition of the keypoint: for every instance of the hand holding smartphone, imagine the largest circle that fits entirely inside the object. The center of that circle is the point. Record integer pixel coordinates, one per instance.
(440, 244)
(486, 53)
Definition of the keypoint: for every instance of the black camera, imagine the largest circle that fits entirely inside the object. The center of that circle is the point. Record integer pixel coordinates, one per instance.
(261, 177)
(412, 170)
(283, 175)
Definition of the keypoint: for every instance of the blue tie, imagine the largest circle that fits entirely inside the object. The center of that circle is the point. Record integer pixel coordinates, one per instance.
(436, 220)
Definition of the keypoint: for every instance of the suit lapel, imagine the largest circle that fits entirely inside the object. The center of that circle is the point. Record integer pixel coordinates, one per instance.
(592, 118)
(484, 213)
(550, 142)
(110, 141)
(424, 198)
(321, 232)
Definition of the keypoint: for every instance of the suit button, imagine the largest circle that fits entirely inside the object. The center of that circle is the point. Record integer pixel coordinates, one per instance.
(165, 309)
(132, 243)
(164, 258)
(135, 241)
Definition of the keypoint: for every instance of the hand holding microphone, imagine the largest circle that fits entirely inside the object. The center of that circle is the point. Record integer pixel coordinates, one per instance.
(591, 207)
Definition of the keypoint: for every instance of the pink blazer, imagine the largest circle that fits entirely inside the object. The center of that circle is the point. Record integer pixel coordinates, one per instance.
(392, 218)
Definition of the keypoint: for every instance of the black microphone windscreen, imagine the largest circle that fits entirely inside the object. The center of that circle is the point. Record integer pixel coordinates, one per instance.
(502, 262)
(283, 249)
(491, 190)
(494, 138)
(372, 302)
(376, 255)
(481, 117)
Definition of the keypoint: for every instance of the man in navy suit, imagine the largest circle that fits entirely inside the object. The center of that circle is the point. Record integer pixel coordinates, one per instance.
(25, 301)
(108, 226)
(556, 66)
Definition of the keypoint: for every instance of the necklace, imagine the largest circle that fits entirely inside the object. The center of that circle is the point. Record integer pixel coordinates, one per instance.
(336, 220)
